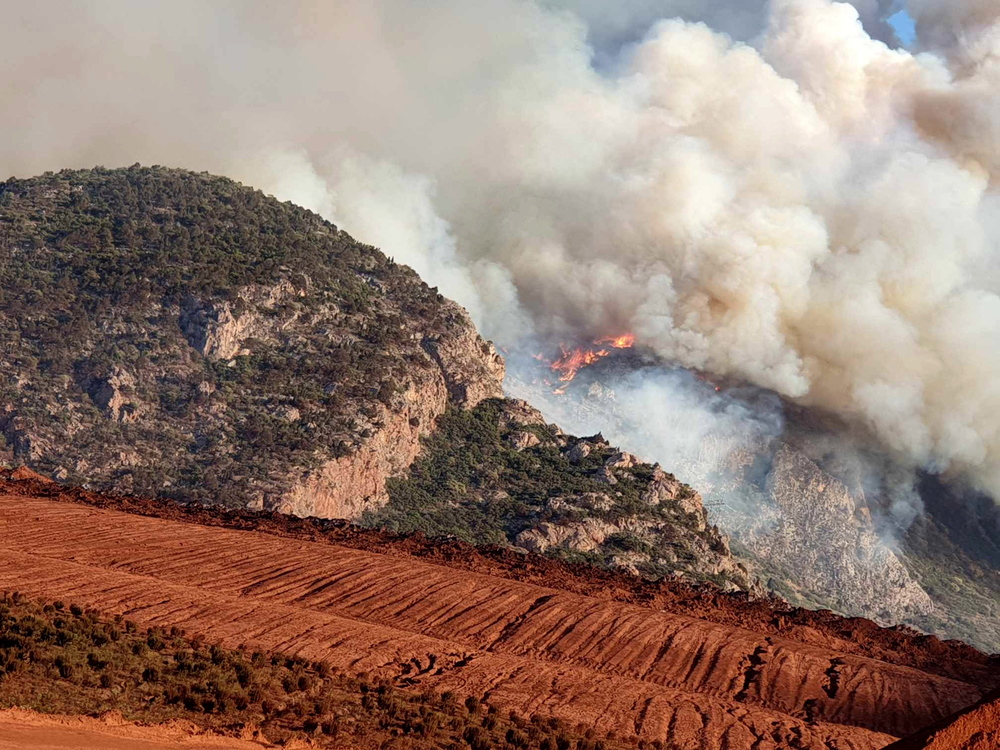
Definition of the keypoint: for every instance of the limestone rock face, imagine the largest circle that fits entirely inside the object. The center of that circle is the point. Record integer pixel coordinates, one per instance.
(22, 444)
(665, 488)
(606, 476)
(622, 460)
(817, 528)
(520, 413)
(472, 368)
(579, 451)
(111, 394)
(217, 330)
(468, 371)
(583, 536)
(347, 487)
(523, 440)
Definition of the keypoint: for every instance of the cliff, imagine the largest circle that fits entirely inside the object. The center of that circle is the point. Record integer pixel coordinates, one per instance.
(816, 527)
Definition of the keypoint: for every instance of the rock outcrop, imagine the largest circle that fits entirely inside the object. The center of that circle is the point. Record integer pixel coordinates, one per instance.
(469, 370)
(581, 536)
(111, 394)
(816, 527)
(218, 329)
(473, 370)
(500, 474)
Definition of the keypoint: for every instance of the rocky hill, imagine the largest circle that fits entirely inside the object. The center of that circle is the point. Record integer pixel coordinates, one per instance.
(181, 336)
(498, 474)
(817, 532)
(178, 334)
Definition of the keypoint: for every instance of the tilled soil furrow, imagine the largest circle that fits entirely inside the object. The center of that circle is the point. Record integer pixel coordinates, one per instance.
(703, 670)
(566, 652)
(208, 614)
(286, 585)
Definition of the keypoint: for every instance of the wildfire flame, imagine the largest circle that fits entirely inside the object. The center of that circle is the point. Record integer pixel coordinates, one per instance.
(574, 360)
(626, 341)
(571, 361)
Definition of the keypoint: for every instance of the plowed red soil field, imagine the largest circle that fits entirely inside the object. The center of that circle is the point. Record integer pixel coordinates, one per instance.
(615, 666)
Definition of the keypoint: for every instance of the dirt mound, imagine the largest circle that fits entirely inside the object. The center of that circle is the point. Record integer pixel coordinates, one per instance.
(24, 474)
(26, 730)
(532, 649)
(976, 728)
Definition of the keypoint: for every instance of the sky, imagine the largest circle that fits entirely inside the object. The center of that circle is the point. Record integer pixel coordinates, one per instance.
(902, 23)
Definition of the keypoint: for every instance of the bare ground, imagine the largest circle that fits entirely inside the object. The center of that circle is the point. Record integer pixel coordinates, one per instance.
(530, 648)
(900, 645)
(26, 730)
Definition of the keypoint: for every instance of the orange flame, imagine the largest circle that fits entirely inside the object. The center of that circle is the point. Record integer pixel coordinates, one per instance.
(626, 341)
(571, 361)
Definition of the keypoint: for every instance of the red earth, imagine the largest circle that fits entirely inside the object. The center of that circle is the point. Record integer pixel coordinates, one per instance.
(975, 728)
(686, 665)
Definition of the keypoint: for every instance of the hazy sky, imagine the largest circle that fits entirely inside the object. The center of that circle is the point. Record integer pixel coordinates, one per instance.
(768, 191)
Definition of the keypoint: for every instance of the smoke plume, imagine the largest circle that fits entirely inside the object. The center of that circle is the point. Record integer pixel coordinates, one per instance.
(771, 191)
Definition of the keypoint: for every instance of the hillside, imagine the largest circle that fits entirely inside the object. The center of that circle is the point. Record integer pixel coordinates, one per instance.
(937, 570)
(581, 658)
(498, 474)
(181, 336)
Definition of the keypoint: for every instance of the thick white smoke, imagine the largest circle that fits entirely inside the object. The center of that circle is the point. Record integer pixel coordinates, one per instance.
(794, 202)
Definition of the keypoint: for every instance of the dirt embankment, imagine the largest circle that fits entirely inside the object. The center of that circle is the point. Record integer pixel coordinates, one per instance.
(901, 645)
(611, 665)
(26, 730)
(976, 728)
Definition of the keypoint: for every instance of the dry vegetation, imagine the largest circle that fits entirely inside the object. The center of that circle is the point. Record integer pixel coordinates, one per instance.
(59, 658)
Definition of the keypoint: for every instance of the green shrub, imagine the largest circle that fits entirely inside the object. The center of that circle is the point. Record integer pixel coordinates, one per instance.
(285, 698)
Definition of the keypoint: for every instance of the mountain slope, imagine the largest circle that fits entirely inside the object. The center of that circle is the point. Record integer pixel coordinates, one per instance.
(802, 511)
(178, 335)
(498, 474)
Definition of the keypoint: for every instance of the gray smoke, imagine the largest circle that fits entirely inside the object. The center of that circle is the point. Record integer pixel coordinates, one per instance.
(772, 192)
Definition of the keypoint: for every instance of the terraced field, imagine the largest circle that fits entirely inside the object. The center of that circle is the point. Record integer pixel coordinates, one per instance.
(532, 649)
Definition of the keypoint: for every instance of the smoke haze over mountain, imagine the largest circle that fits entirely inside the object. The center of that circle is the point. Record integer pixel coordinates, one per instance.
(770, 191)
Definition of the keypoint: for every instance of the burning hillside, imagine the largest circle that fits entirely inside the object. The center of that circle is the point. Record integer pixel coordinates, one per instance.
(570, 361)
